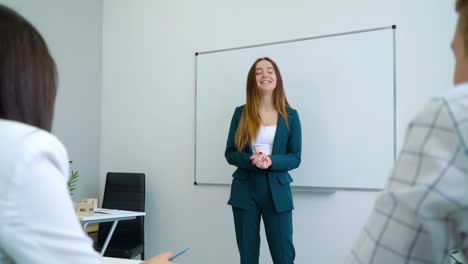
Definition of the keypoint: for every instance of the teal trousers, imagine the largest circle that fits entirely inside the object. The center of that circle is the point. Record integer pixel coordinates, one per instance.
(278, 226)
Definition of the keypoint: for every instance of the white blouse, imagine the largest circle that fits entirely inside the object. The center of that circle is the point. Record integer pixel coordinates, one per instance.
(264, 140)
(37, 220)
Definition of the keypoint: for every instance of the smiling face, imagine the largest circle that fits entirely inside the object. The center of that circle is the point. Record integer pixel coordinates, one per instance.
(265, 76)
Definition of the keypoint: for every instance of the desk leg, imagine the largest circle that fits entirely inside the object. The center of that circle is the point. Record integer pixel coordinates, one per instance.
(111, 231)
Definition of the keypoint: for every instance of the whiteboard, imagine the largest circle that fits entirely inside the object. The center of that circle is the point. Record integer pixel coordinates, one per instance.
(343, 87)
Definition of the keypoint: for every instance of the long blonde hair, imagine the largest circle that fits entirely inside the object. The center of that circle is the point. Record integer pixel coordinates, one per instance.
(250, 120)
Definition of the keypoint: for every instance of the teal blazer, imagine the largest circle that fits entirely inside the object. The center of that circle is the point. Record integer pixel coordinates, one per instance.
(286, 156)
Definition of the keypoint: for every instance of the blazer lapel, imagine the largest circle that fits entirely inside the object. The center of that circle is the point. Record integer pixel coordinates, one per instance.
(280, 128)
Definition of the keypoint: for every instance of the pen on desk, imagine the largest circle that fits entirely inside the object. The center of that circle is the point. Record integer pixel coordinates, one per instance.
(178, 254)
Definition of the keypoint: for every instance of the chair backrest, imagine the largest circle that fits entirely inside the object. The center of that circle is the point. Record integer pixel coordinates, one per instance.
(124, 191)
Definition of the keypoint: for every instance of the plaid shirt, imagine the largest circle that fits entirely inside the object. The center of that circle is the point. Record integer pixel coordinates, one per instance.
(423, 213)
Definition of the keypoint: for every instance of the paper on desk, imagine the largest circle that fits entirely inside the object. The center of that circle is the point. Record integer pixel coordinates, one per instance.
(110, 211)
(102, 210)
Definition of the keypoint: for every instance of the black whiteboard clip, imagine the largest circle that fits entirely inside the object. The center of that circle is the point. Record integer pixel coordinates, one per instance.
(196, 53)
(393, 26)
(195, 183)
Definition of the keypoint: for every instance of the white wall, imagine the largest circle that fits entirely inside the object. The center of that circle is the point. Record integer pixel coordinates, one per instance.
(148, 103)
(72, 30)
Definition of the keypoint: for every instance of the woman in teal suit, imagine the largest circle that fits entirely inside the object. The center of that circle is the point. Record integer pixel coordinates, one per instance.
(264, 143)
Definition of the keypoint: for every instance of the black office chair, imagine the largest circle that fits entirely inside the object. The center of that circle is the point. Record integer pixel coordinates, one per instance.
(124, 191)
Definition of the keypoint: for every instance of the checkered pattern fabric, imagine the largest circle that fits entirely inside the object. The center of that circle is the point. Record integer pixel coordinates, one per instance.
(422, 215)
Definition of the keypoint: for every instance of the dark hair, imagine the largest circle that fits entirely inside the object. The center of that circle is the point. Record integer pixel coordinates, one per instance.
(28, 79)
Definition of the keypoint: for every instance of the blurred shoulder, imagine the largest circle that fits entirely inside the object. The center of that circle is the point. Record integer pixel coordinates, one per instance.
(22, 144)
(445, 110)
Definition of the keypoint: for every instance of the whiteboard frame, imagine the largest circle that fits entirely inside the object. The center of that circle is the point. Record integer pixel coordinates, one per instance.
(305, 188)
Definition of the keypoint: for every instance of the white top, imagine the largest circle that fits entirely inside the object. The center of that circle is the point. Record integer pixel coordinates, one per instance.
(422, 215)
(264, 140)
(37, 220)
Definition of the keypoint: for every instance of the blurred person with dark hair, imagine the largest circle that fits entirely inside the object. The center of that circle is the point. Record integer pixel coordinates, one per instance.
(37, 221)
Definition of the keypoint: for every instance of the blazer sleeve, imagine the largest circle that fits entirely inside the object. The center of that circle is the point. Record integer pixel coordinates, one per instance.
(40, 225)
(292, 158)
(234, 157)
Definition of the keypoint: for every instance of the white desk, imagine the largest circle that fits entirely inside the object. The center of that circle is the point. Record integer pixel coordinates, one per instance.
(108, 215)
(107, 260)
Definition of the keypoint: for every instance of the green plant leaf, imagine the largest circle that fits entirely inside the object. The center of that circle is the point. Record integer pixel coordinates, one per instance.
(72, 179)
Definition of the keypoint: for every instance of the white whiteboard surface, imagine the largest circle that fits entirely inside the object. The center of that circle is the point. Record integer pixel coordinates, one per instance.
(342, 86)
